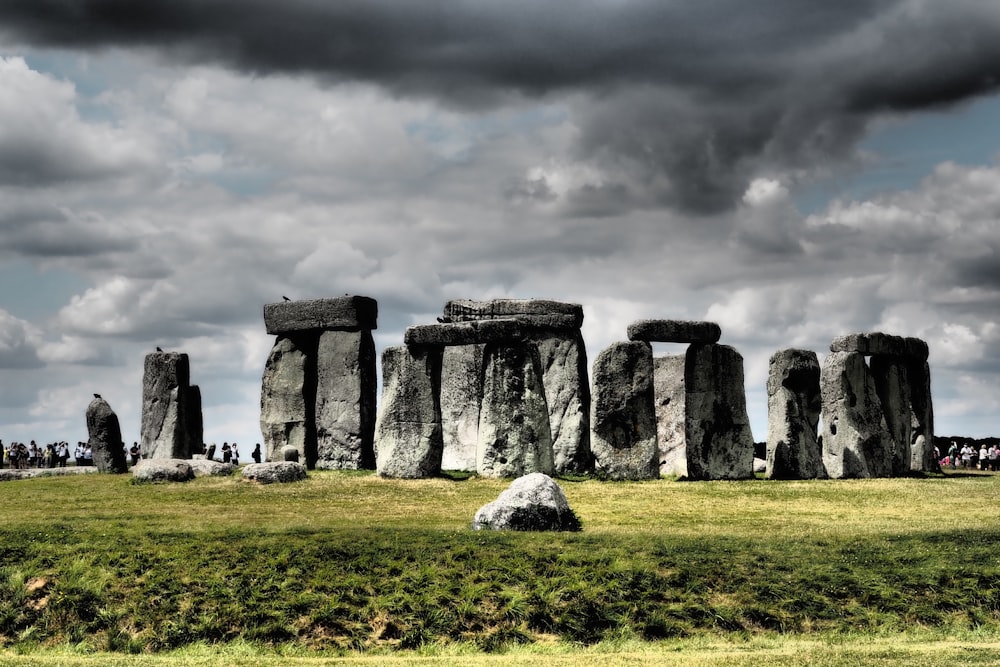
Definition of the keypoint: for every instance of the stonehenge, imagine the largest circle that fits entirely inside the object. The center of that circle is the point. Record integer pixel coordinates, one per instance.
(171, 425)
(318, 391)
(105, 437)
(793, 406)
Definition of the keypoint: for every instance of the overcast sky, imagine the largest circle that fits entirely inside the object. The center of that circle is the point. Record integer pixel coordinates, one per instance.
(791, 170)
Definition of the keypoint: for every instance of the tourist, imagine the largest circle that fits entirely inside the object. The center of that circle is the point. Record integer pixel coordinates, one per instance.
(256, 454)
(235, 455)
(995, 457)
(133, 453)
(967, 453)
(78, 454)
(984, 457)
(88, 455)
(953, 453)
(62, 453)
(227, 453)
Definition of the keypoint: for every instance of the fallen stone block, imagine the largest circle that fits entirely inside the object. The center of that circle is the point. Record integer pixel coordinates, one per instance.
(275, 472)
(206, 468)
(163, 470)
(346, 313)
(674, 331)
(531, 502)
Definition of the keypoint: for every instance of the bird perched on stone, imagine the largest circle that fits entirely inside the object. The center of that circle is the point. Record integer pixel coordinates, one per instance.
(97, 395)
(159, 349)
(285, 297)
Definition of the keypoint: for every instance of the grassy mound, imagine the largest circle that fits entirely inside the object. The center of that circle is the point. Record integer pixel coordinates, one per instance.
(347, 561)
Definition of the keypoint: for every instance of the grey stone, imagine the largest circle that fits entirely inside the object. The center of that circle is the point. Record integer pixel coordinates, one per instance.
(346, 387)
(290, 453)
(759, 465)
(408, 440)
(892, 385)
(163, 470)
(793, 411)
(347, 313)
(8, 475)
(105, 437)
(461, 398)
(206, 468)
(669, 394)
(565, 378)
(275, 472)
(165, 380)
(514, 437)
(856, 440)
(464, 333)
(877, 343)
(674, 331)
(532, 313)
(717, 427)
(922, 417)
(623, 416)
(288, 397)
(531, 502)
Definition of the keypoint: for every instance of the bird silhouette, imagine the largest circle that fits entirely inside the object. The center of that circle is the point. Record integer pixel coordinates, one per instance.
(97, 395)
(159, 349)
(285, 297)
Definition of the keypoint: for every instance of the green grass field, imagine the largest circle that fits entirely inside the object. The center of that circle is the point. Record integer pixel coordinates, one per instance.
(348, 568)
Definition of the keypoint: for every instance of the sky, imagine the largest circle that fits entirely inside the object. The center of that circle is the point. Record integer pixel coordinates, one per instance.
(792, 171)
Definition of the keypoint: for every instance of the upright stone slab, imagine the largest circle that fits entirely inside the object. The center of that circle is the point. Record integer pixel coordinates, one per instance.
(719, 440)
(793, 410)
(164, 428)
(514, 434)
(567, 393)
(408, 440)
(345, 401)
(623, 416)
(194, 420)
(105, 437)
(922, 417)
(288, 397)
(461, 398)
(669, 393)
(856, 440)
(892, 385)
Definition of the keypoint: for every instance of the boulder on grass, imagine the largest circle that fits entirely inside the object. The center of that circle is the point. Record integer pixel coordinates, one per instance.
(274, 472)
(206, 468)
(531, 502)
(163, 470)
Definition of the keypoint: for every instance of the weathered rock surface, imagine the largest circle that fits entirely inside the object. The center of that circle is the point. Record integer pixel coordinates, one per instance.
(275, 472)
(206, 468)
(105, 437)
(674, 331)
(533, 313)
(922, 417)
(461, 397)
(623, 416)
(464, 333)
(794, 405)
(194, 422)
(531, 502)
(346, 387)
(877, 343)
(288, 397)
(8, 475)
(567, 393)
(892, 385)
(346, 313)
(856, 440)
(719, 440)
(163, 470)
(290, 453)
(668, 392)
(165, 432)
(514, 437)
(408, 442)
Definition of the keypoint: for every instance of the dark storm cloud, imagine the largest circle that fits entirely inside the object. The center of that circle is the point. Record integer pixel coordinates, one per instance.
(682, 102)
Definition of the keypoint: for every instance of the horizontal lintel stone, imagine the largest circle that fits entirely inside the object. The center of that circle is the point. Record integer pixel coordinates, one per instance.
(534, 313)
(350, 313)
(877, 343)
(464, 333)
(674, 331)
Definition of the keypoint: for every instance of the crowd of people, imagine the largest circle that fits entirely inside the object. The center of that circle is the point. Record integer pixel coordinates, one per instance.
(19, 455)
(987, 457)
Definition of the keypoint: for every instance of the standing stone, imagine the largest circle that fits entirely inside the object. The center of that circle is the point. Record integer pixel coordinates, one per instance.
(892, 386)
(922, 417)
(461, 397)
(345, 401)
(194, 421)
(287, 397)
(856, 440)
(514, 434)
(623, 416)
(793, 411)
(567, 394)
(719, 440)
(164, 395)
(669, 394)
(408, 440)
(105, 437)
